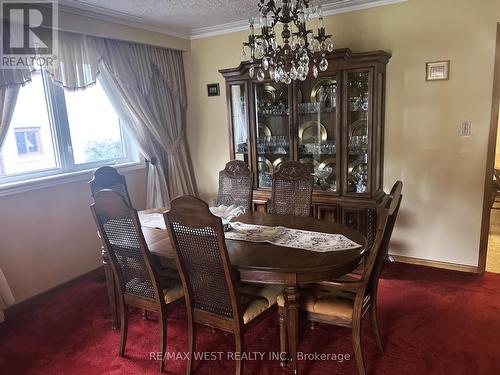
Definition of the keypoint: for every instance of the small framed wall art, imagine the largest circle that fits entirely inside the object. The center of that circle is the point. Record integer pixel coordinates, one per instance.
(213, 89)
(437, 70)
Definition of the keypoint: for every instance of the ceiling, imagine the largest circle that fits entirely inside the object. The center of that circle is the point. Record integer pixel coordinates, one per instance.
(192, 18)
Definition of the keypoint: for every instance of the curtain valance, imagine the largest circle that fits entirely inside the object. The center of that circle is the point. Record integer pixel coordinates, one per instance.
(78, 57)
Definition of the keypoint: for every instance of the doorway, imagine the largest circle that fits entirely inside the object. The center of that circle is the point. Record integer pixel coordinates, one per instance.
(489, 246)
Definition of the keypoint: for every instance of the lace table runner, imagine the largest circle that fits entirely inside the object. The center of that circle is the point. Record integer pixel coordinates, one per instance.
(287, 237)
(153, 220)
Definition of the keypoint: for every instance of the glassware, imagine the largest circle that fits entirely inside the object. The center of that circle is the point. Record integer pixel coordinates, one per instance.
(358, 97)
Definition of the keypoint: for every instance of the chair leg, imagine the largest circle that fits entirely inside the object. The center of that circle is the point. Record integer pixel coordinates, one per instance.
(283, 336)
(374, 324)
(356, 341)
(123, 328)
(240, 344)
(191, 343)
(163, 338)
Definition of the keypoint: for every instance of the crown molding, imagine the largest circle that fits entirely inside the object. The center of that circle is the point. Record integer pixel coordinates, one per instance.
(342, 6)
(108, 15)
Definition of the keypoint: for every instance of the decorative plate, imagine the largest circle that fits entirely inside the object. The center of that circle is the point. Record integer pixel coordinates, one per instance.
(277, 163)
(264, 165)
(357, 166)
(309, 131)
(283, 95)
(331, 163)
(310, 161)
(266, 93)
(359, 127)
(264, 131)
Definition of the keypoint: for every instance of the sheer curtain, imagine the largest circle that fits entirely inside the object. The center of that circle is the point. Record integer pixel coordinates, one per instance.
(9, 89)
(150, 82)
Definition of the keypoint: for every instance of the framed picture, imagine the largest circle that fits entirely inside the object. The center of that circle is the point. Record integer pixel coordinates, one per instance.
(213, 89)
(437, 70)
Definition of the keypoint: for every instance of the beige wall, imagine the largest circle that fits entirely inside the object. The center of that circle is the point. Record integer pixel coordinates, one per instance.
(48, 235)
(443, 172)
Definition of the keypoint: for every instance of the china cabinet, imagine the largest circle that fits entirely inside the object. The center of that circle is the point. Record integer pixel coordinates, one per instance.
(333, 123)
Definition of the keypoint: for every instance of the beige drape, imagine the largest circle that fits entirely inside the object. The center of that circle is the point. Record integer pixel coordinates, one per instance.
(76, 66)
(8, 97)
(6, 297)
(157, 191)
(151, 83)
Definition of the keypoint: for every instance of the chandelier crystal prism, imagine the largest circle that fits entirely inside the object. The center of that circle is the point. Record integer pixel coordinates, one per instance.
(300, 51)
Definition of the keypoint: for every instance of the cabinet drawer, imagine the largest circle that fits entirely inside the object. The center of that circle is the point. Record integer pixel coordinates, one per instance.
(328, 213)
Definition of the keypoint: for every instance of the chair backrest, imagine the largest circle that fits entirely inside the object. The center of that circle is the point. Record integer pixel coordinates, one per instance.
(496, 174)
(109, 178)
(121, 234)
(292, 190)
(385, 225)
(197, 237)
(235, 185)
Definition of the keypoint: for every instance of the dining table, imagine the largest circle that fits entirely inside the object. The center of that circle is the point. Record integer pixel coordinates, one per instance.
(266, 263)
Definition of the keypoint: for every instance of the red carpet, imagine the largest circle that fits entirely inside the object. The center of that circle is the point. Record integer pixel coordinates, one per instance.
(432, 322)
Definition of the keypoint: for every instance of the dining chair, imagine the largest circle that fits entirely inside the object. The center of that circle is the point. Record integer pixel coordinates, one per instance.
(344, 302)
(214, 295)
(292, 190)
(496, 188)
(235, 185)
(108, 178)
(138, 282)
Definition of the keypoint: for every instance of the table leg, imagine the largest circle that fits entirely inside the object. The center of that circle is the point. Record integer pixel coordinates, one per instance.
(292, 312)
(110, 284)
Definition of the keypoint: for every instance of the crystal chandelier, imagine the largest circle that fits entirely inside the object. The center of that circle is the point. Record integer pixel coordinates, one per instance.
(300, 47)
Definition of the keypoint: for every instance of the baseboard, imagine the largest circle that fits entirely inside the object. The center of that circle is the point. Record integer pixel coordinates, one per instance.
(28, 303)
(435, 264)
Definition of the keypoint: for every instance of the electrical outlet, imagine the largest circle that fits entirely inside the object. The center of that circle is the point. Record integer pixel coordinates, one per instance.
(465, 129)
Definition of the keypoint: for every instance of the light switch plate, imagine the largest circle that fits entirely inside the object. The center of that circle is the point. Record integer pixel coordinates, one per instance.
(465, 129)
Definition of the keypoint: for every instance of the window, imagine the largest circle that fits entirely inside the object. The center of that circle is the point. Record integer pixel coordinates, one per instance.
(54, 131)
(28, 141)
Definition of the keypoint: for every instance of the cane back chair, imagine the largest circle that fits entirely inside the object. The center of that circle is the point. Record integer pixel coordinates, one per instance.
(108, 178)
(138, 282)
(292, 190)
(235, 185)
(214, 297)
(344, 302)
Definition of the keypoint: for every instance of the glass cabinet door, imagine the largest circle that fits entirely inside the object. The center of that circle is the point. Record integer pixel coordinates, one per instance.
(272, 133)
(239, 121)
(358, 101)
(318, 121)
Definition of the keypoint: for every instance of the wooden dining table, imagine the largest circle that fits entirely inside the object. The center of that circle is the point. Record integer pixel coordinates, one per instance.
(266, 263)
